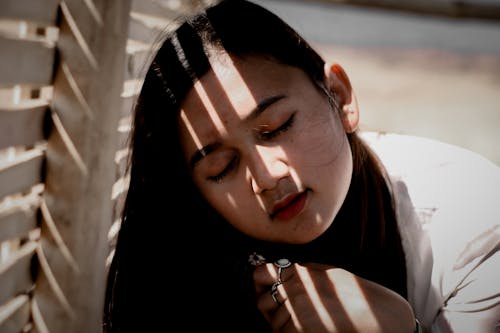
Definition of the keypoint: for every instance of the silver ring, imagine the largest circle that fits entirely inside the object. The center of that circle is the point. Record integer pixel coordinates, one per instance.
(282, 264)
(274, 292)
(256, 259)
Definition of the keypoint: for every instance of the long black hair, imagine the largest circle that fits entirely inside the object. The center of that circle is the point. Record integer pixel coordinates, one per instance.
(177, 263)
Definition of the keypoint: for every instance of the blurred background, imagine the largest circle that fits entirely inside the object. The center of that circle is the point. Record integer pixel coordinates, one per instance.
(427, 68)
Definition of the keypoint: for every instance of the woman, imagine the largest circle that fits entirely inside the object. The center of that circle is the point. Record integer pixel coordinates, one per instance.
(255, 205)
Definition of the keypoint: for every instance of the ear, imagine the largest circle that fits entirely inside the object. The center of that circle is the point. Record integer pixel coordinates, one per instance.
(338, 83)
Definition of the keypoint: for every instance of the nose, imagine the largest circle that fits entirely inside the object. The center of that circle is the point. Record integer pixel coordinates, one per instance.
(267, 166)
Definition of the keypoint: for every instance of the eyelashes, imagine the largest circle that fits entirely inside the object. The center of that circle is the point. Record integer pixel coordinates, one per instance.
(220, 176)
(265, 136)
(268, 135)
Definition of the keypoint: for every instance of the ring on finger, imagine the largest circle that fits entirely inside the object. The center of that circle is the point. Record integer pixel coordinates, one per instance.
(274, 292)
(282, 264)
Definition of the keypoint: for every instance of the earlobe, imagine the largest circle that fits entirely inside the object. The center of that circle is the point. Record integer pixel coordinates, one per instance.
(339, 84)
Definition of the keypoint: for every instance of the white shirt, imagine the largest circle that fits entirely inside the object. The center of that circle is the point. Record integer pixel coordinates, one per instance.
(448, 211)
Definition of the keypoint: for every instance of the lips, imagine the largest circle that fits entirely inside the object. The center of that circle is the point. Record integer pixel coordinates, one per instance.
(290, 206)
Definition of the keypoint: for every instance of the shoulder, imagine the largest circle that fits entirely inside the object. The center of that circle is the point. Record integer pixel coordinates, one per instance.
(409, 155)
(438, 174)
(449, 178)
(448, 208)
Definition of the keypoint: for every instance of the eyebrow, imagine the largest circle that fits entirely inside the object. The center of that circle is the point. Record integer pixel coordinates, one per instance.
(261, 107)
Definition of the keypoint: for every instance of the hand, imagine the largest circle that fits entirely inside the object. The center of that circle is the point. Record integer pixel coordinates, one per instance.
(321, 298)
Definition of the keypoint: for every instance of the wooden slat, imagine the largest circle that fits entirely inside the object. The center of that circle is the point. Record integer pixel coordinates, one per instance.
(74, 108)
(121, 159)
(119, 200)
(15, 314)
(72, 45)
(123, 139)
(39, 325)
(113, 233)
(25, 62)
(136, 63)
(85, 20)
(22, 124)
(127, 106)
(15, 273)
(17, 221)
(124, 132)
(79, 202)
(140, 31)
(22, 173)
(44, 12)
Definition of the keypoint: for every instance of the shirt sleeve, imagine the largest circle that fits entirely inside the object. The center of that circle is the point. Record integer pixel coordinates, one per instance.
(474, 306)
(448, 208)
(465, 234)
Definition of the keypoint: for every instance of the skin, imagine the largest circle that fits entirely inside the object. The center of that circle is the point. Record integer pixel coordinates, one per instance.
(249, 165)
(320, 298)
(295, 146)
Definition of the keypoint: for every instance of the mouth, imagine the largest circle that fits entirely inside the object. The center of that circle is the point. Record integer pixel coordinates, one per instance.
(291, 206)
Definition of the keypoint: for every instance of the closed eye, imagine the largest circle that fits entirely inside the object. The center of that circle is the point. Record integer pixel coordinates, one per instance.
(268, 135)
(220, 176)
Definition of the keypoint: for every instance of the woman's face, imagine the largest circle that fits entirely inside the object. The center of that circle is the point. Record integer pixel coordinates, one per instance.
(266, 149)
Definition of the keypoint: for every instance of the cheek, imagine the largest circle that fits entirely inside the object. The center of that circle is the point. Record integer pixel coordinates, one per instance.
(220, 197)
(321, 141)
(234, 203)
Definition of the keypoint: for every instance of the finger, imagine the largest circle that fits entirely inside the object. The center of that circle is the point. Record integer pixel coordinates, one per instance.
(277, 294)
(280, 320)
(281, 316)
(264, 276)
(268, 303)
(271, 299)
(290, 326)
(271, 302)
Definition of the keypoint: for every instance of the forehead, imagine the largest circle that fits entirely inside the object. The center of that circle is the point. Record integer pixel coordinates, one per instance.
(232, 89)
